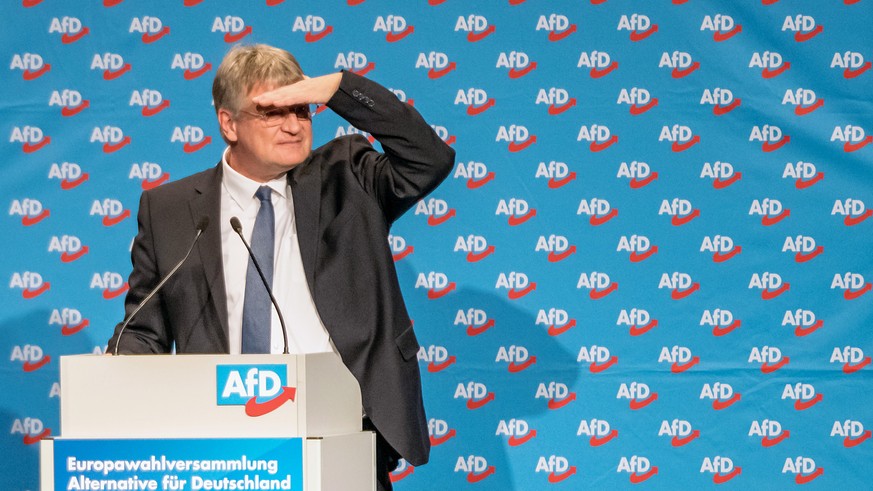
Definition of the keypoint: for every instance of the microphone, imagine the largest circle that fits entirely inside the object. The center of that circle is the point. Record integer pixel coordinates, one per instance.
(201, 226)
(237, 227)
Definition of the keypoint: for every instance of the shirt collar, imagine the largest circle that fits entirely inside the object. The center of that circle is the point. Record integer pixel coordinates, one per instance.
(242, 189)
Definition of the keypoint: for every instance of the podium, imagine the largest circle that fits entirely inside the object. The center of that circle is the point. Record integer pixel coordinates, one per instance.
(175, 422)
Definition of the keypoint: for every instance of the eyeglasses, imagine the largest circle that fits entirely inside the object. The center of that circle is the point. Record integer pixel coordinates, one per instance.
(275, 116)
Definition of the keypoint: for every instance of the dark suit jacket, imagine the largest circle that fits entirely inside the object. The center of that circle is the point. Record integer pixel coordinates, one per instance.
(346, 195)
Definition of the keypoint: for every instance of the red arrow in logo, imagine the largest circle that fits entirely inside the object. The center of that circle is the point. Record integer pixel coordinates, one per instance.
(231, 38)
(555, 110)
(724, 36)
(514, 294)
(636, 405)
(801, 479)
(802, 257)
(720, 257)
(146, 185)
(409, 469)
(681, 367)
(31, 439)
(30, 3)
(801, 37)
(852, 295)
(434, 220)
(555, 330)
(191, 75)
(435, 294)
(109, 221)
(597, 441)
(600, 367)
(847, 368)
(114, 147)
(768, 368)
(852, 147)
(478, 183)
(72, 111)
(638, 478)
(723, 478)
(851, 221)
(66, 184)
(112, 75)
(255, 409)
(434, 74)
(151, 111)
(678, 221)
(476, 110)
(517, 147)
(636, 36)
(473, 477)
(69, 39)
(854, 72)
(559, 403)
(557, 36)
(110, 294)
(33, 366)
(602, 72)
(555, 184)
(366, 69)
(437, 367)
(771, 73)
(518, 367)
(68, 330)
(405, 252)
(554, 478)
(636, 110)
(66, 257)
(515, 73)
(149, 37)
(314, 37)
(640, 330)
(515, 441)
(478, 36)
(679, 442)
(188, 147)
(636, 257)
(477, 330)
(600, 146)
(681, 147)
(434, 440)
(684, 72)
(772, 441)
(515, 221)
(30, 294)
(722, 331)
(801, 184)
(598, 294)
(718, 404)
(680, 294)
(770, 295)
(33, 147)
(555, 257)
(721, 184)
(639, 183)
(393, 37)
(849, 442)
(28, 220)
(804, 405)
(474, 404)
(722, 110)
(597, 221)
(31, 75)
(473, 257)
(801, 331)
(804, 110)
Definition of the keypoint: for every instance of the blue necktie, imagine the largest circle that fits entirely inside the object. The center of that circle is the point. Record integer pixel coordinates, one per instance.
(257, 316)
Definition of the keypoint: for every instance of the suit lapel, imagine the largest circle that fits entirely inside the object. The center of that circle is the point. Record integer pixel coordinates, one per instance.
(207, 202)
(305, 181)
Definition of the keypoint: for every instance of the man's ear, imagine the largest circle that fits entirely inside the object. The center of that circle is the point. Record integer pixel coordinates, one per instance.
(227, 123)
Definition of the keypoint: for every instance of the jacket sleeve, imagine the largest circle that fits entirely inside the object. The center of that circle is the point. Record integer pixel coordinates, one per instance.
(415, 160)
(147, 332)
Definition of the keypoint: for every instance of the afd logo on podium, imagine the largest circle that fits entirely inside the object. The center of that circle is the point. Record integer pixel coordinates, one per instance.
(262, 389)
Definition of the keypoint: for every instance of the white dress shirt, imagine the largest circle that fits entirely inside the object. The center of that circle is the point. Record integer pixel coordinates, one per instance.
(306, 332)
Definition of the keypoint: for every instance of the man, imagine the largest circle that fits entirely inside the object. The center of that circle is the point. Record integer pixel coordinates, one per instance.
(331, 210)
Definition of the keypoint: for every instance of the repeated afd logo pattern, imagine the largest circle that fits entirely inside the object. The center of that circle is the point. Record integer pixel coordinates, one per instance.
(649, 268)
